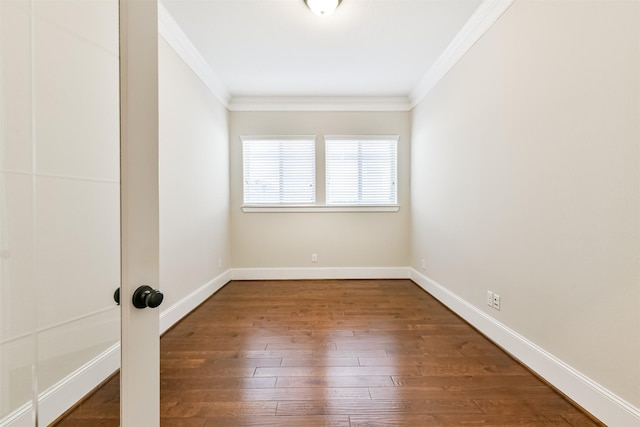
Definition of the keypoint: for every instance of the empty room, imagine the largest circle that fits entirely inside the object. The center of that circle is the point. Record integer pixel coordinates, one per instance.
(336, 213)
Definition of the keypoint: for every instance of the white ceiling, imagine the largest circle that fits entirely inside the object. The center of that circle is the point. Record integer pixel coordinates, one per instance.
(278, 48)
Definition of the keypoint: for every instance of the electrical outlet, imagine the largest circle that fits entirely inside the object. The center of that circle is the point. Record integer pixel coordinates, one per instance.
(314, 257)
(423, 264)
(490, 298)
(219, 263)
(496, 301)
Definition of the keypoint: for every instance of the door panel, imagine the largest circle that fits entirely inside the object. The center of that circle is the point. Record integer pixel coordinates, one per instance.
(77, 212)
(78, 81)
(59, 204)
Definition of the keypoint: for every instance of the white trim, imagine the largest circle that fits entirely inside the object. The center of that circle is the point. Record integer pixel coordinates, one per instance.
(320, 103)
(482, 19)
(391, 137)
(171, 32)
(21, 417)
(244, 138)
(59, 176)
(602, 403)
(301, 273)
(177, 311)
(319, 208)
(479, 23)
(593, 397)
(94, 313)
(55, 400)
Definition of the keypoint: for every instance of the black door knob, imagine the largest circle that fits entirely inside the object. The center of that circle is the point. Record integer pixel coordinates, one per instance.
(145, 296)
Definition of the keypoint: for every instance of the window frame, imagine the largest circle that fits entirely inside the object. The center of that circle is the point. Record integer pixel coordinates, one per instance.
(362, 138)
(320, 184)
(279, 138)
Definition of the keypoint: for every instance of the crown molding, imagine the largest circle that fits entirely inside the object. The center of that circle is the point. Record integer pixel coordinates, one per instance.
(169, 30)
(478, 24)
(482, 19)
(320, 103)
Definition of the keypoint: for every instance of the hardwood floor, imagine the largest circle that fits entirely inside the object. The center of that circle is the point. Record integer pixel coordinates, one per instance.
(335, 353)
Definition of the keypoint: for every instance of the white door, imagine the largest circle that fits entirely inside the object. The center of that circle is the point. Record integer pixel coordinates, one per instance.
(140, 371)
(78, 205)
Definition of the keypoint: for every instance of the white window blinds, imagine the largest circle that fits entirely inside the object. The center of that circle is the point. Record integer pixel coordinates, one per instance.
(362, 170)
(279, 170)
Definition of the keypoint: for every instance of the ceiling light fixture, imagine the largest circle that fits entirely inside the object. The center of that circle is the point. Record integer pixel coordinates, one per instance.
(322, 7)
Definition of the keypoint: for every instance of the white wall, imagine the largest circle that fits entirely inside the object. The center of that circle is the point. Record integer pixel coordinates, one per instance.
(276, 240)
(525, 181)
(194, 181)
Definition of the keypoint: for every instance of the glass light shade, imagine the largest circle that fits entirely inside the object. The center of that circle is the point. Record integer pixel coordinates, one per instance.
(322, 7)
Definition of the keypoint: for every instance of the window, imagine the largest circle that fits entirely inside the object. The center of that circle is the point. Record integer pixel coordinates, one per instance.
(279, 170)
(361, 170)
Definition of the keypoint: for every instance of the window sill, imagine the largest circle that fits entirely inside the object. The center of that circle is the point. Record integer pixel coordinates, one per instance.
(320, 208)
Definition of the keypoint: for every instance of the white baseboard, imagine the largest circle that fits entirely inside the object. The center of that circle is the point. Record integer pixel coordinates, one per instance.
(21, 417)
(54, 401)
(602, 403)
(320, 273)
(596, 399)
(177, 311)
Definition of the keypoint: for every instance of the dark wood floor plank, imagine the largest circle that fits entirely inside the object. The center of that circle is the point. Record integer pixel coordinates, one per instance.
(310, 421)
(217, 409)
(200, 383)
(183, 422)
(202, 362)
(266, 394)
(394, 393)
(338, 353)
(379, 407)
(96, 411)
(320, 362)
(207, 372)
(92, 422)
(477, 384)
(453, 421)
(336, 371)
(331, 381)
(391, 420)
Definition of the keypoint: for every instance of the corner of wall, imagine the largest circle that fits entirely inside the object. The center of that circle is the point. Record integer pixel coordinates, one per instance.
(596, 399)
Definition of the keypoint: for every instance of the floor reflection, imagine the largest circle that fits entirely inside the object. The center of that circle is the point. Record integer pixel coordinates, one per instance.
(342, 353)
